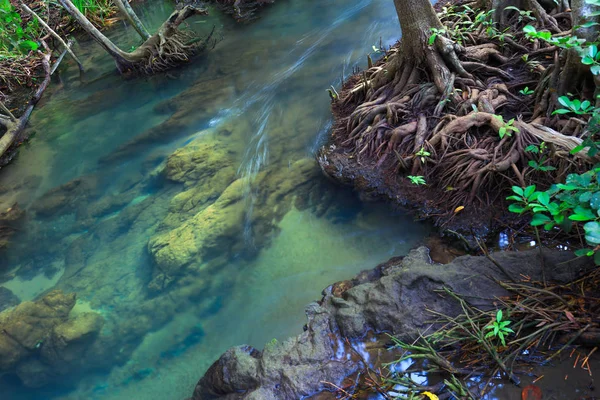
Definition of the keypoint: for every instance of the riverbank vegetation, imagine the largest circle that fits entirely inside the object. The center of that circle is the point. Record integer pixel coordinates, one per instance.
(481, 107)
(474, 100)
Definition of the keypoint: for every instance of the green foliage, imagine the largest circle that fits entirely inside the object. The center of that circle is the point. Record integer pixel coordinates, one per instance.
(16, 38)
(523, 14)
(564, 42)
(575, 106)
(541, 151)
(507, 128)
(575, 201)
(526, 91)
(422, 154)
(97, 10)
(499, 328)
(590, 56)
(417, 180)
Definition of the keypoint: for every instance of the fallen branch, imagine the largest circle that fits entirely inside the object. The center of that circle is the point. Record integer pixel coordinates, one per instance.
(54, 35)
(13, 125)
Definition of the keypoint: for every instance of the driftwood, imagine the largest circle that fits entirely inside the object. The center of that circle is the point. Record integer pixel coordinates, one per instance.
(15, 125)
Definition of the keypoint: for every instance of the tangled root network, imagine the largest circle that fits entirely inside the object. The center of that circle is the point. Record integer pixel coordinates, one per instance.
(464, 114)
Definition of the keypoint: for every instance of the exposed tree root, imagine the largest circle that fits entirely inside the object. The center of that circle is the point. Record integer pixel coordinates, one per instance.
(167, 48)
(454, 115)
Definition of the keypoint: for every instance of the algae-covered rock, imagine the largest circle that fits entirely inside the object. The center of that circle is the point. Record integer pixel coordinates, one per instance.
(248, 207)
(198, 161)
(25, 327)
(212, 231)
(205, 168)
(39, 340)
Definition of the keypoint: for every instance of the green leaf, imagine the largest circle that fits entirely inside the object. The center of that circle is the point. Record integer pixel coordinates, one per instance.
(529, 29)
(529, 190)
(514, 198)
(597, 257)
(561, 111)
(516, 208)
(28, 45)
(518, 190)
(539, 219)
(548, 226)
(564, 100)
(501, 336)
(595, 201)
(592, 232)
(532, 148)
(584, 197)
(581, 252)
(582, 214)
(499, 316)
(595, 69)
(543, 198)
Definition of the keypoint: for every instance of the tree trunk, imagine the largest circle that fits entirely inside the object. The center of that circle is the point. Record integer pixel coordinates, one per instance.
(574, 72)
(132, 17)
(417, 18)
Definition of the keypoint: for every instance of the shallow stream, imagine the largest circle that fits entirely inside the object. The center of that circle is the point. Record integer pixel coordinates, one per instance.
(244, 122)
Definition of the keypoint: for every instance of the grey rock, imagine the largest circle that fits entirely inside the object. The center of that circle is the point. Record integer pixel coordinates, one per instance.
(396, 300)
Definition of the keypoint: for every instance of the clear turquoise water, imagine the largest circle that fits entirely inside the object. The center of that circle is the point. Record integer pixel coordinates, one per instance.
(265, 85)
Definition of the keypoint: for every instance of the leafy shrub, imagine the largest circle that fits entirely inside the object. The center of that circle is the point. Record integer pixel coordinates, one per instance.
(16, 39)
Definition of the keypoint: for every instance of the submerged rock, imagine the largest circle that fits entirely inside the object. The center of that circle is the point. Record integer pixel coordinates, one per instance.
(40, 341)
(392, 298)
(212, 219)
(7, 299)
(63, 197)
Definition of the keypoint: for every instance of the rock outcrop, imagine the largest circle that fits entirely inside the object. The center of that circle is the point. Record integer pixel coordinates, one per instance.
(392, 298)
(211, 219)
(41, 340)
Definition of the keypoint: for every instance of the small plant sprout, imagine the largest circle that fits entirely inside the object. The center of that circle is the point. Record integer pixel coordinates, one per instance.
(507, 128)
(416, 180)
(422, 154)
(538, 164)
(526, 91)
(499, 328)
(434, 34)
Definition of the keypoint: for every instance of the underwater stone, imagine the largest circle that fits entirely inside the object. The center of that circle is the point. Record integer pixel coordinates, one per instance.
(39, 341)
(7, 299)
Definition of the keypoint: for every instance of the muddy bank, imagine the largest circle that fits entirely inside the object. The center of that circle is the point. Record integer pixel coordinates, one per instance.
(394, 298)
(376, 182)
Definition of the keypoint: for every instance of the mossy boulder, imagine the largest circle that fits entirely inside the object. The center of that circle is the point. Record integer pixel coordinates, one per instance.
(40, 340)
(213, 230)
